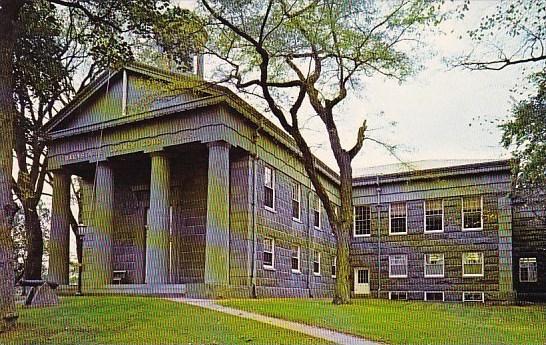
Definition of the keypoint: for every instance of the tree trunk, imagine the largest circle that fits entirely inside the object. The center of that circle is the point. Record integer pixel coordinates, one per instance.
(342, 229)
(35, 244)
(9, 11)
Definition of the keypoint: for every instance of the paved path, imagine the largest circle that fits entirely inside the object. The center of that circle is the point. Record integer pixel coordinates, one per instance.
(336, 337)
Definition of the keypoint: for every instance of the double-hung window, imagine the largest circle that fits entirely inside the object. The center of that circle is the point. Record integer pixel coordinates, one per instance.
(334, 266)
(296, 201)
(269, 188)
(434, 215)
(296, 254)
(269, 253)
(472, 264)
(434, 265)
(472, 213)
(528, 270)
(362, 221)
(398, 266)
(316, 262)
(316, 212)
(398, 218)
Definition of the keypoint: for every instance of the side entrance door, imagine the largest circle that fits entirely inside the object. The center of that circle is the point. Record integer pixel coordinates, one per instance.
(362, 281)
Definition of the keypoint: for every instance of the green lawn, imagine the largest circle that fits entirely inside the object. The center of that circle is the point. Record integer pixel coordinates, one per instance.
(134, 320)
(397, 322)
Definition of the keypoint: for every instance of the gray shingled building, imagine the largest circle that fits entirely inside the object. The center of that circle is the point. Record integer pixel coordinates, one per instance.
(199, 194)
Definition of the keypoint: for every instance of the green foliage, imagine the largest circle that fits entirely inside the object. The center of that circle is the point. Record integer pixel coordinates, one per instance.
(525, 134)
(515, 33)
(356, 38)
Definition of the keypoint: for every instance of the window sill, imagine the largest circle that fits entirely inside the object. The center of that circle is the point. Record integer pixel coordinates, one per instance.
(317, 228)
(435, 276)
(269, 268)
(397, 233)
(434, 231)
(296, 271)
(472, 275)
(472, 229)
(316, 274)
(334, 277)
(398, 276)
(297, 220)
(272, 210)
(358, 236)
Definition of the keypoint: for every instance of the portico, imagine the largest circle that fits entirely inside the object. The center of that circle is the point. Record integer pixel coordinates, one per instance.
(156, 194)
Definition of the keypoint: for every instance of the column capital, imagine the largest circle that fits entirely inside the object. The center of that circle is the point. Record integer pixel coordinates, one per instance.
(218, 143)
(161, 153)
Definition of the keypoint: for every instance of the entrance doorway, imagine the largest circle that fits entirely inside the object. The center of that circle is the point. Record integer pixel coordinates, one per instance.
(362, 281)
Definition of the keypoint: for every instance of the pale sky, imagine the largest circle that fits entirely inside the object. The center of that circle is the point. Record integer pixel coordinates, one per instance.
(437, 111)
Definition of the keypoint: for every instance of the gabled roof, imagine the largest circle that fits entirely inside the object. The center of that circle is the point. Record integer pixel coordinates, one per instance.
(218, 94)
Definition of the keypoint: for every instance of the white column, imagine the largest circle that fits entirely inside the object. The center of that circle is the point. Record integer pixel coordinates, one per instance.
(100, 257)
(217, 238)
(158, 233)
(60, 229)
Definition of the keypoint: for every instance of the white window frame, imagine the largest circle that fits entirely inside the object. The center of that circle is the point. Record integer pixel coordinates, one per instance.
(315, 256)
(399, 292)
(267, 266)
(298, 186)
(298, 270)
(406, 222)
(536, 269)
(443, 295)
(390, 266)
(443, 266)
(354, 221)
(319, 210)
(425, 218)
(471, 274)
(474, 292)
(273, 182)
(334, 264)
(481, 214)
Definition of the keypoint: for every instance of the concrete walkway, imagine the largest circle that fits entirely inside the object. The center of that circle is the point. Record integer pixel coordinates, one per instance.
(317, 332)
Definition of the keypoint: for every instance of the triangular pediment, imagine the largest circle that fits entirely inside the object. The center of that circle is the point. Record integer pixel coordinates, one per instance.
(127, 95)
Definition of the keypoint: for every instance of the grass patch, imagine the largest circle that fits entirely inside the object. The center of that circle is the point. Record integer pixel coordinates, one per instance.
(397, 322)
(136, 320)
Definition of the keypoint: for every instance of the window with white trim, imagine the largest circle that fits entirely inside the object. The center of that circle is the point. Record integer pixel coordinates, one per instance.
(362, 221)
(398, 266)
(434, 215)
(398, 218)
(472, 213)
(473, 297)
(316, 209)
(269, 253)
(434, 296)
(473, 264)
(334, 266)
(269, 188)
(316, 262)
(434, 265)
(296, 201)
(528, 270)
(296, 254)
(398, 295)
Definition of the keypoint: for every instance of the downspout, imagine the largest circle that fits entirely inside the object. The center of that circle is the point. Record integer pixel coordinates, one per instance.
(378, 190)
(309, 229)
(254, 210)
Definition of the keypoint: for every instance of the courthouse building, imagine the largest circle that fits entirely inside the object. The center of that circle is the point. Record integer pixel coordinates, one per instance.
(196, 193)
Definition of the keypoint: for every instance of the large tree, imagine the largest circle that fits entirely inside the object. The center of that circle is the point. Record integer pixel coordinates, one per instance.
(315, 52)
(110, 29)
